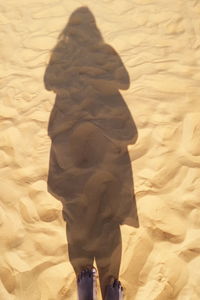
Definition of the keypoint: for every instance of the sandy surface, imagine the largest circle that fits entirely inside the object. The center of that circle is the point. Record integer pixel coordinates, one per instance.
(150, 53)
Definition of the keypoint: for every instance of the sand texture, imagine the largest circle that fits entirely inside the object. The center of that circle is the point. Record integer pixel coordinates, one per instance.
(100, 147)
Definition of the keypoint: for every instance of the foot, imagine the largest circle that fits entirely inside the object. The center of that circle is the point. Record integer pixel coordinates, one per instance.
(86, 284)
(114, 291)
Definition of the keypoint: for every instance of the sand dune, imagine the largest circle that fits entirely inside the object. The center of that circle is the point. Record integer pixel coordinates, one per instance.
(99, 147)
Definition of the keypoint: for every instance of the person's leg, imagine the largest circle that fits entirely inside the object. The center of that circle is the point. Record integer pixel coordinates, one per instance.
(108, 257)
(82, 262)
(86, 284)
(114, 290)
(79, 253)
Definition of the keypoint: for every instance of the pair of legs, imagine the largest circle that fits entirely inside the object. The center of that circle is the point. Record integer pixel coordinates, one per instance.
(86, 284)
(103, 246)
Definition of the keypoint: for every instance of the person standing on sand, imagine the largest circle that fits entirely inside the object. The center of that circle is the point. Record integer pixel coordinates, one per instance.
(90, 128)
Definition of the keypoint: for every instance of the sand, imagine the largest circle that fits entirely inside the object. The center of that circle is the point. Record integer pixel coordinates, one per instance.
(100, 131)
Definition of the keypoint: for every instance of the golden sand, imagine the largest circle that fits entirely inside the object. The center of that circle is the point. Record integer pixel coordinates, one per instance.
(94, 112)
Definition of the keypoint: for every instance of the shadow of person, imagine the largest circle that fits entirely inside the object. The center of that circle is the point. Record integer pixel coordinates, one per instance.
(90, 128)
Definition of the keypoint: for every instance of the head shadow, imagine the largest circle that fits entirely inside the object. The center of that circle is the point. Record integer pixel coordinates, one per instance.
(90, 128)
